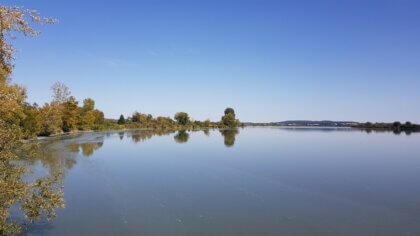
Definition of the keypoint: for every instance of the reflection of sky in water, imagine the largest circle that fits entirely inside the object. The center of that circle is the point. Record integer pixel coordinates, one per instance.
(252, 181)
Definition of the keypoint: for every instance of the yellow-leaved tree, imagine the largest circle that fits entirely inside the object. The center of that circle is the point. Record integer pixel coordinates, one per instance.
(42, 196)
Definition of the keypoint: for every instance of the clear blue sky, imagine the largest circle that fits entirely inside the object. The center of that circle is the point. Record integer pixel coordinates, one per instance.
(270, 60)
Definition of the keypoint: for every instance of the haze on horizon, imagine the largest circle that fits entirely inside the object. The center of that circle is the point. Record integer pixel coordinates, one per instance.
(269, 60)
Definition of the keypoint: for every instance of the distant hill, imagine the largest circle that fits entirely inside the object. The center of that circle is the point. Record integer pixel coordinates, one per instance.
(307, 123)
(316, 123)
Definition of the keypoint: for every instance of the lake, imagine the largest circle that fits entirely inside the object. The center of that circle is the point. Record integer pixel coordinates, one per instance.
(249, 181)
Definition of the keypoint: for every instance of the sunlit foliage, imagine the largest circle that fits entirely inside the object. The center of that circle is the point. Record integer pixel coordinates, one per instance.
(70, 114)
(51, 122)
(19, 120)
(15, 20)
(35, 198)
(88, 105)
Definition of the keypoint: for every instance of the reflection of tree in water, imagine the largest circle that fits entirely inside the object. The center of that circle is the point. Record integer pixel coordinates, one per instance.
(206, 132)
(40, 198)
(121, 135)
(182, 136)
(59, 156)
(229, 135)
(55, 158)
(396, 132)
(88, 148)
(141, 136)
(37, 198)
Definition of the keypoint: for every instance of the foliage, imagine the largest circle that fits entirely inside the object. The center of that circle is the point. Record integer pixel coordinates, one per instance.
(51, 121)
(61, 93)
(31, 123)
(141, 118)
(35, 199)
(182, 118)
(15, 20)
(121, 120)
(181, 122)
(88, 105)
(62, 114)
(229, 111)
(70, 114)
(12, 98)
(19, 120)
(229, 119)
(396, 126)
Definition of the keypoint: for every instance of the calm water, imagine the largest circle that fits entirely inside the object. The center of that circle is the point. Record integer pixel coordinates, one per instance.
(252, 181)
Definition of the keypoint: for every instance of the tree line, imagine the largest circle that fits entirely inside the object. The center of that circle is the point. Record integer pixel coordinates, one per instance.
(65, 114)
(181, 120)
(396, 126)
(62, 114)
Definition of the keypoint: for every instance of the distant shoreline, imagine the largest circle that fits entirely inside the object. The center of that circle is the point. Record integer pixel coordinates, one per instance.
(392, 127)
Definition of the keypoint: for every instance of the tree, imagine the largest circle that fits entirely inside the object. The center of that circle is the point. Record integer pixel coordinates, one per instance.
(50, 116)
(229, 119)
(88, 105)
(99, 117)
(182, 118)
(88, 116)
(121, 120)
(31, 124)
(140, 118)
(229, 111)
(87, 120)
(15, 19)
(43, 195)
(70, 114)
(61, 93)
(396, 125)
(12, 99)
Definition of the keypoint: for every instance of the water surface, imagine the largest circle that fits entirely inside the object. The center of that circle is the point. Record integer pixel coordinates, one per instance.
(251, 181)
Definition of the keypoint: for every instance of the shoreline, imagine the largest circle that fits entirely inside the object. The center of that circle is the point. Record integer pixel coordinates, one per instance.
(384, 129)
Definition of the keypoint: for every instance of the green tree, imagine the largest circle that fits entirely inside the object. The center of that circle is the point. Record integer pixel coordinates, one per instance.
(140, 118)
(31, 124)
(121, 120)
(396, 125)
(229, 119)
(86, 120)
(88, 105)
(229, 111)
(51, 122)
(182, 118)
(99, 117)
